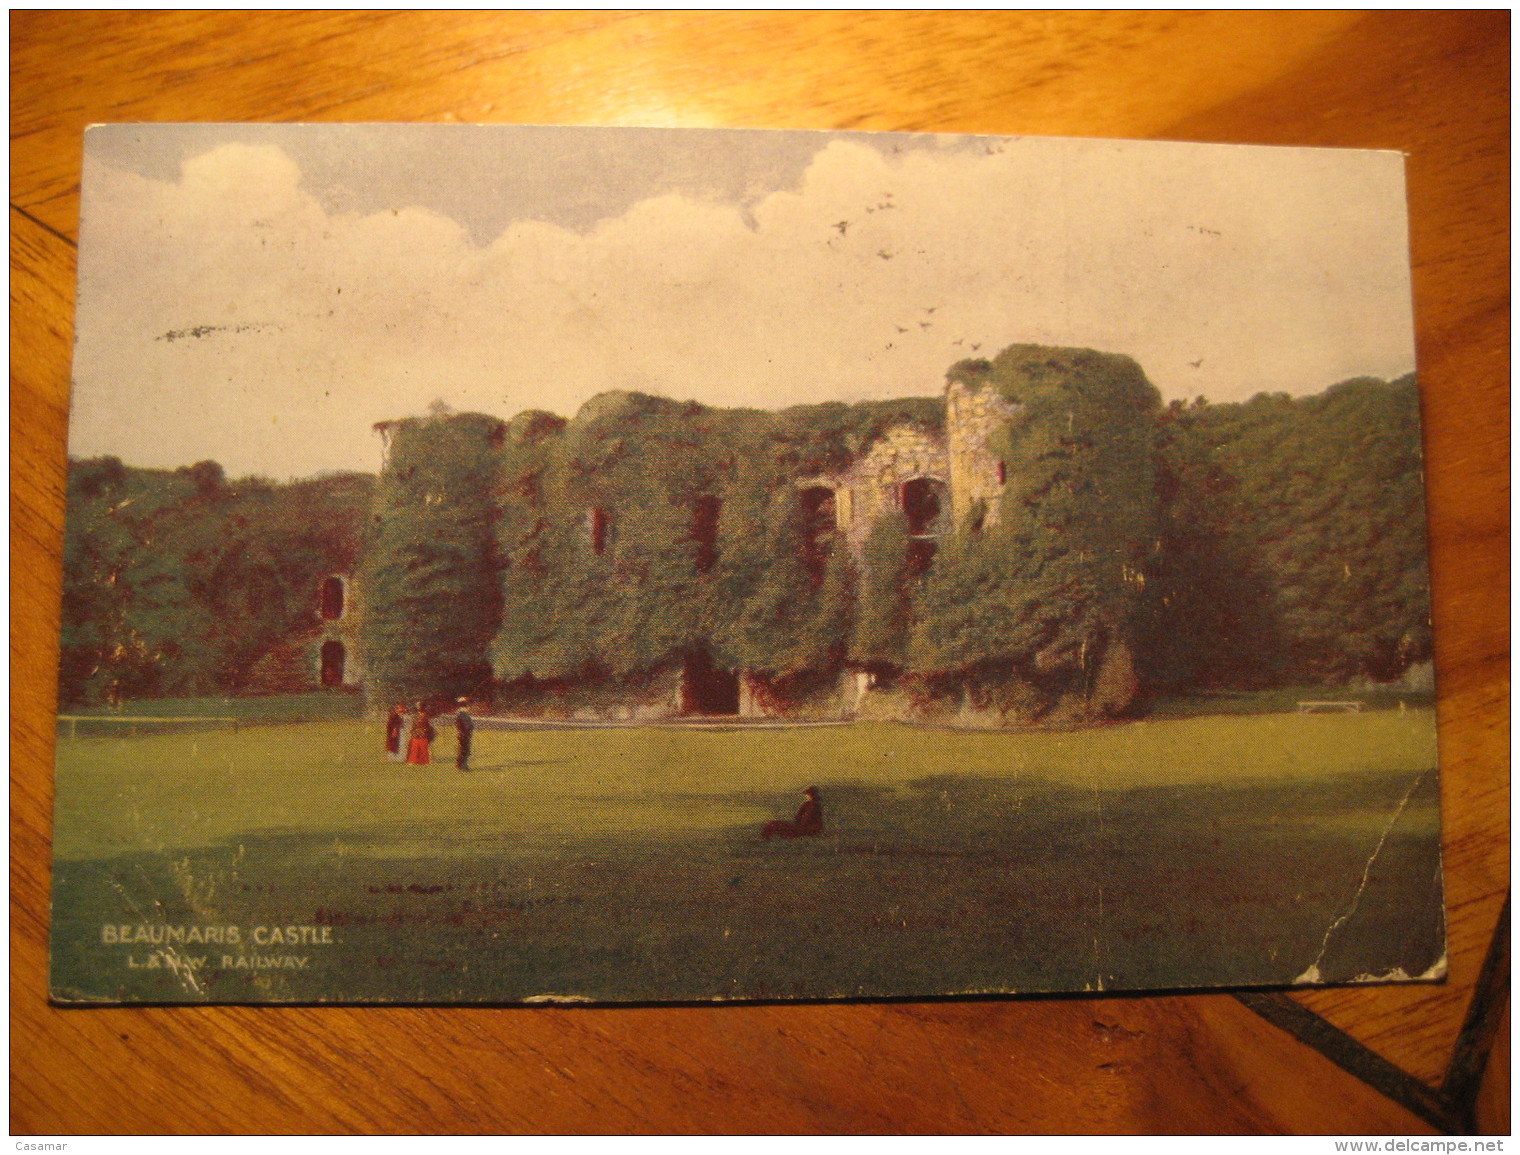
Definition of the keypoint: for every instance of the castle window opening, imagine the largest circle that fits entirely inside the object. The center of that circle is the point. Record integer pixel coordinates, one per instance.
(333, 658)
(331, 598)
(704, 531)
(922, 505)
(599, 526)
(1002, 470)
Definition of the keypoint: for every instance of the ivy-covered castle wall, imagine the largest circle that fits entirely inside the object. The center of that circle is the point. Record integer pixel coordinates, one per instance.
(652, 557)
(1043, 542)
(646, 537)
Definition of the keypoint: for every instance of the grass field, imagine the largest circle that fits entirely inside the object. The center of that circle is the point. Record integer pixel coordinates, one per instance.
(626, 864)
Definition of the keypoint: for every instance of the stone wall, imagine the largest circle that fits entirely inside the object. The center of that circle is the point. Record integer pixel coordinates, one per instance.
(870, 488)
(972, 416)
(961, 461)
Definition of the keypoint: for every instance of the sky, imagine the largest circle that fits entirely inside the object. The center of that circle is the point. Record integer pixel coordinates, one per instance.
(262, 295)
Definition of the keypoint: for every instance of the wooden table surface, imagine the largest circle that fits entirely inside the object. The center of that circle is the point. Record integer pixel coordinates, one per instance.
(1434, 85)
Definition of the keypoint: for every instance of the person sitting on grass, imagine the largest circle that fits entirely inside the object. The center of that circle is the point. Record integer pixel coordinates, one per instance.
(807, 824)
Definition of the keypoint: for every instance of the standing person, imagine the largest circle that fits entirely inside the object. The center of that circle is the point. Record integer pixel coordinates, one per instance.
(464, 725)
(394, 726)
(419, 751)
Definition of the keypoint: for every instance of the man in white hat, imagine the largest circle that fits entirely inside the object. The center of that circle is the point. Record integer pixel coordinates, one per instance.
(464, 726)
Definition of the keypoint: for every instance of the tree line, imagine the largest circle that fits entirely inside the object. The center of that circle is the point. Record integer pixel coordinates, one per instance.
(1295, 535)
(183, 583)
(1138, 549)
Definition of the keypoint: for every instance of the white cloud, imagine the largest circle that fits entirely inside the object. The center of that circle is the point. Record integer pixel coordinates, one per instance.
(1272, 269)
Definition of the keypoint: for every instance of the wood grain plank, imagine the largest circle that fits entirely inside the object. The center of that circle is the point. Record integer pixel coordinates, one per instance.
(41, 311)
(42, 274)
(1201, 1064)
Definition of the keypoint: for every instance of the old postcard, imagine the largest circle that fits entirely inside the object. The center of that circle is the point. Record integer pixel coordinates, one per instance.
(535, 564)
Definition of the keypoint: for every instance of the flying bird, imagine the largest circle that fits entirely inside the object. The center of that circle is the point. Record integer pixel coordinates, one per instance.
(1196, 363)
(930, 308)
(883, 254)
(974, 348)
(842, 226)
(925, 324)
(900, 328)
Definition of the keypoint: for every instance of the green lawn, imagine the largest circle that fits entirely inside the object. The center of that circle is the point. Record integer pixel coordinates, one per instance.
(626, 864)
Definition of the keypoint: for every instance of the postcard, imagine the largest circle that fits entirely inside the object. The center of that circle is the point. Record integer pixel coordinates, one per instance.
(512, 565)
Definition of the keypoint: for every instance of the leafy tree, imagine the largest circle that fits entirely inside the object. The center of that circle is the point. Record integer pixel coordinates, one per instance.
(1327, 511)
(1207, 614)
(179, 582)
(110, 577)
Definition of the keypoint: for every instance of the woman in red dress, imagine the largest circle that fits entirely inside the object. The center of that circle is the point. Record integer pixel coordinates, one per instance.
(419, 749)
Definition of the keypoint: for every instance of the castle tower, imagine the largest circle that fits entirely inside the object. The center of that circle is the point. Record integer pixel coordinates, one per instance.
(973, 413)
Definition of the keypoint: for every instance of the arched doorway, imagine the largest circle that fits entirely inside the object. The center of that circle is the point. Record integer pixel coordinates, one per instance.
(333, 658)
(705, 689)
(923, 505)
